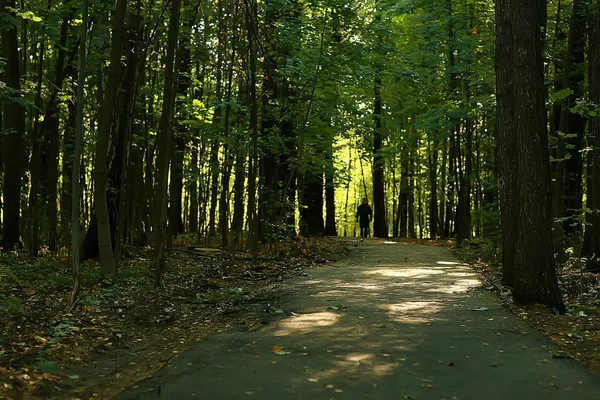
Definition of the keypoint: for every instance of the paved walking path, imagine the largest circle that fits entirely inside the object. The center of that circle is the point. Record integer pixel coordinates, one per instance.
(393, 321)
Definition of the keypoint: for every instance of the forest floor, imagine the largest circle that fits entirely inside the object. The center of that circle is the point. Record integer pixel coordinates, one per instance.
(392, 321)
(124, 330)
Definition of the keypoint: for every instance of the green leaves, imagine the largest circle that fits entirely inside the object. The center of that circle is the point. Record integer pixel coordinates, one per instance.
(48, 367)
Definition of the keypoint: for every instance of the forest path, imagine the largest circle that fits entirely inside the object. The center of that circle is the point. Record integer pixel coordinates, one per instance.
(392, 321)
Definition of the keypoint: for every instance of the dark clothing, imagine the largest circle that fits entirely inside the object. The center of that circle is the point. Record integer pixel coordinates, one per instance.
(364, 214)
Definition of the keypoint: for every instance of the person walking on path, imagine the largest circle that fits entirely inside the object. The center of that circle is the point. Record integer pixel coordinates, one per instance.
(364, 215)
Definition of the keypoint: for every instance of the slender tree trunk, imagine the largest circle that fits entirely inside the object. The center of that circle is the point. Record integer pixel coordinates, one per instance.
(164, 143)
(348, 182)
(411, 193)
(433, 201)
(444, 171)
(330, 225)
(75, 218)
(403, 205)
(253, 221)
(523, 159)
(574, 77)
(379, 223)
(593, 246)
(193, 190)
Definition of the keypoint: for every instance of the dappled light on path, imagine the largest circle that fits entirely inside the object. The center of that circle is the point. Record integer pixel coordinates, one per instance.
(391, 322)
(307, 323)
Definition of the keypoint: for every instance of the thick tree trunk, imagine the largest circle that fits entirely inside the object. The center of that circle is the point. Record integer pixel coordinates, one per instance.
(13, 131)
(109, 267)
(523, 159)
(311, 207)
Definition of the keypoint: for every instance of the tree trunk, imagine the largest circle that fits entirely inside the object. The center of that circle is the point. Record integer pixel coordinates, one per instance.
(193, 190)
(253, 221)
(433, 201)
(411, 194)
(330, 225)
(13, 132)
(311, 207)
(593, 246)
(109, 267)
(75, 217)
(379, 213)
(574, 77)
(463, 217)
(35, 191)
(164, 143)
(523, 159)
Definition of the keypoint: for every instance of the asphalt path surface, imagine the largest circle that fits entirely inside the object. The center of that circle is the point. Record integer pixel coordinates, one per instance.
(392, 321)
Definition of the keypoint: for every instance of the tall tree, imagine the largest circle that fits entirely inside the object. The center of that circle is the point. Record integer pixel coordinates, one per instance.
(523, 159)
(76, 191)
(13, 130)
(592, 245)
(380, 228)
(105, 122)
(164, 143)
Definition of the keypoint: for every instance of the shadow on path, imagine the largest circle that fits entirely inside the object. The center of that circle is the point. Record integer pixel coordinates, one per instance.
(393, 321)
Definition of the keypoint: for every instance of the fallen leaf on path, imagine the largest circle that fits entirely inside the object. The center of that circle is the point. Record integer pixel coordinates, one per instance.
(280, 352)
(481, 309)
(314, 380)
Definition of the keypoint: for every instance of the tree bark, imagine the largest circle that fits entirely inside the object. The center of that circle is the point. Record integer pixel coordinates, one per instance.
(379, 221)
(164, 143)
(330, 224)
(76, 192)
(524, 169)
(433, 201)
(13, 130)
(593, 246)
(253, 221)
(109, 266)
